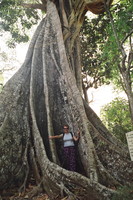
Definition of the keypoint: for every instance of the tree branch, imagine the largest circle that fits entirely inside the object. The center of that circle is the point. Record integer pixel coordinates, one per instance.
(130, 55)
(120, 46)
(43, 1)
(129, 34)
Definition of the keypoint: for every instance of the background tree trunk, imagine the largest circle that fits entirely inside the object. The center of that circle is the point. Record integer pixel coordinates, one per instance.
(42, 96)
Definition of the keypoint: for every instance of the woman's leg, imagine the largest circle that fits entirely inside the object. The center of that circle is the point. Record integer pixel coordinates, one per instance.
(66, 157)
(72, 159)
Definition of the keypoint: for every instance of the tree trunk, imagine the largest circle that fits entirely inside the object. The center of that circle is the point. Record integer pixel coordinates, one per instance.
(42, 96)
(127, 87)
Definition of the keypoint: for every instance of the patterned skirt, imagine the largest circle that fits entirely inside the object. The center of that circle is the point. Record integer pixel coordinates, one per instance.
(70, 158)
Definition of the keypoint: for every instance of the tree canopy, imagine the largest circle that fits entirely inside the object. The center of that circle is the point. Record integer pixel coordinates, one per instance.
(17, 20)
(101, 54)
(110, 57)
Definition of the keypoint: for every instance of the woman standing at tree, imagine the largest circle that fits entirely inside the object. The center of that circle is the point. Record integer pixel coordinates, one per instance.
(69, 149)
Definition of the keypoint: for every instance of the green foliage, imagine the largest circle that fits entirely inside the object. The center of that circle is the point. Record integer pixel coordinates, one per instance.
(116, 117)
(92, 38)
(16, 20)
(100, 52)
(124, 193)
(122, 13)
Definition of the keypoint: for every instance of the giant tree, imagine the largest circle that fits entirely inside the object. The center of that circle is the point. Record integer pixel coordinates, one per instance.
(45, 93)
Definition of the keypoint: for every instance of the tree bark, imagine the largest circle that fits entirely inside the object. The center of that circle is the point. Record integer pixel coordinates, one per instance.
(42, 96)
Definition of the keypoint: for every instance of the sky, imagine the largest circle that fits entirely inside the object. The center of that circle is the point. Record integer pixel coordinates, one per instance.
(102, 96)
(14, 60)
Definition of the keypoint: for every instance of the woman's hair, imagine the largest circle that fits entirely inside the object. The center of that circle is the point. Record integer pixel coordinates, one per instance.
(66, 125)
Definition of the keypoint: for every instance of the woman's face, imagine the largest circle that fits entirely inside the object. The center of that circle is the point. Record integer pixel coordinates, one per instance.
(65, 129)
